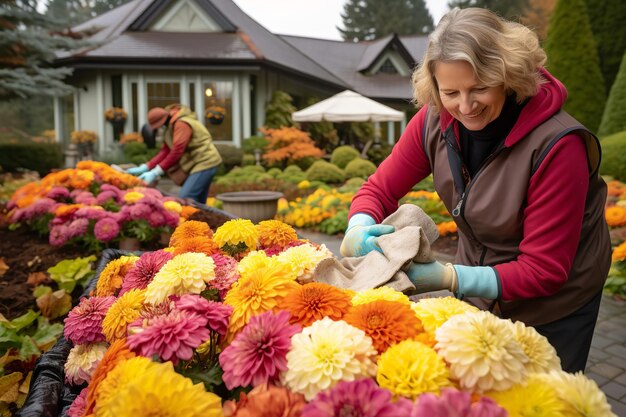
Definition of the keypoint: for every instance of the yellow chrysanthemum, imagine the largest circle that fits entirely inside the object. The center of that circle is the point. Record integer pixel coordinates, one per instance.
(236, 236)
(82, 361)
(380, 293)
(582, 396)
(541, 354)
(303, 259)
(186, 273)
(619, 253)
(124, 311)
(173, 206)
(411, 368)
(256, 292)
(275, 233)
(111, 277)
(132, 197)
(482, 351)
(253, 260)
(533, 398)
(433, 312)
(155, 389)
(325, 353)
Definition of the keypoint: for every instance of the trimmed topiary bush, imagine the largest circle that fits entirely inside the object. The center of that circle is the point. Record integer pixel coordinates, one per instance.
(274, 172)
(231, 156)
(352, 185)
(40, 157)
(292, 169)
(378, 153)
(248, 160)
(342, 155)
(614, 156)
(326, 172)
(361, 168)
(614, 117)
(252, 143)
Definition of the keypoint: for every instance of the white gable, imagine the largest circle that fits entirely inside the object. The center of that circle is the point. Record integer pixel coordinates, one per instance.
(185, 16)
(395, 59)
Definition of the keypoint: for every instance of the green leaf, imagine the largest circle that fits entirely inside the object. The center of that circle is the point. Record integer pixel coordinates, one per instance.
(70, 272)
(29, 348)
(23, 321)
(41, 290)
(47, 333)
(211, 377)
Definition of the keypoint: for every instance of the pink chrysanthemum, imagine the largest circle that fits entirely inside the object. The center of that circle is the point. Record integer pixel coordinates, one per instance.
(451, 402)
(84, 323)
(276, 249)
(85, 198)
(91, 213)
(59, 235)
(226, 274)
(58, 193)
(259, 353)
(361, 398)
(79, 405)
(172, 337)
(106, 229)
(146, 267)
(156, 219)
(138, 211)
(216, 313)
(78, 227)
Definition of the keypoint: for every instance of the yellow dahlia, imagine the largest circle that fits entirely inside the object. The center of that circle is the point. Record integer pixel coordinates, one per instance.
(411, 368)
(111, 277)
(482, 351)
(303, 259)
(275, 233)
(186, 273)
(541, 354)
(256, 292)
(236, 236)
(380, 293)
(581, 395)
(173, 206)
(132, 197)
(253, 260)
(326, 353)
(533, 398)
(433, 312)
(124, 311)
(82, 362)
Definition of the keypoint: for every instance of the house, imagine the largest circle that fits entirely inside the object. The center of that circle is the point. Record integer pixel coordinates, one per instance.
(205, 53)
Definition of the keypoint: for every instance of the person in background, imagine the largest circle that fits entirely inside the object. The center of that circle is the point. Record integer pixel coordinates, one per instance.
(188, 154)
(518, 174)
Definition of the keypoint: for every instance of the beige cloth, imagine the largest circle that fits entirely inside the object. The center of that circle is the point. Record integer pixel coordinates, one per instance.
(415, 231)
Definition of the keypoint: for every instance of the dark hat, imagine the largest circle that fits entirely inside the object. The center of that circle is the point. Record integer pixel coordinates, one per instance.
(157, 117)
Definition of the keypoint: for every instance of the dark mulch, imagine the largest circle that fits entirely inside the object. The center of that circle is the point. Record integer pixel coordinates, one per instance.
(446, 246)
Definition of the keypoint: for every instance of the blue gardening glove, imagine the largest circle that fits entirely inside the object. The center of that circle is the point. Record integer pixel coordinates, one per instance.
(152, 175)
(464, 281)
(362, 235)
(138, 170)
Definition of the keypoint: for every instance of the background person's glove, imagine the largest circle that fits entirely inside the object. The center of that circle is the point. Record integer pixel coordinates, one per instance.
(138, 170)
(362, 235)
(464, 281)
(152, 175)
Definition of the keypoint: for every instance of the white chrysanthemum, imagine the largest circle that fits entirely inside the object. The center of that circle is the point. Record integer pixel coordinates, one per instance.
(303, 259)
(325, 353)
(581, 395)
(433, 312)
(541, 354)
(380, 293)
(186, 273)
(482, 351)
(82, 361)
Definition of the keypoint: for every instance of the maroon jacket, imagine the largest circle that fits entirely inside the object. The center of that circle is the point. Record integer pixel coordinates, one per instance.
(522, 213)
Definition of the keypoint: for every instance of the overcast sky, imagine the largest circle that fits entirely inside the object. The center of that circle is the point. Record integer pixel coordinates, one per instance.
(311, 18)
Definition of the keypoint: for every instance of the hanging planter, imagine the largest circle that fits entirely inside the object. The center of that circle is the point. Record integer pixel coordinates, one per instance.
(215, 115)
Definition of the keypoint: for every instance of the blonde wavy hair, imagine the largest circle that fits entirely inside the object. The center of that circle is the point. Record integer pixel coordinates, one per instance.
(500, 52)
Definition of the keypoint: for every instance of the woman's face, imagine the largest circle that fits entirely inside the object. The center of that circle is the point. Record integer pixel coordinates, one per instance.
(465, 98)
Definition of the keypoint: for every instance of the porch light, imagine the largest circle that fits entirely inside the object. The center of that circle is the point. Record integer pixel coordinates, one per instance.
(208, 92)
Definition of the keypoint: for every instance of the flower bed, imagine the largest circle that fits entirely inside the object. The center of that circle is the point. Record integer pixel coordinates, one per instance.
(229, 323)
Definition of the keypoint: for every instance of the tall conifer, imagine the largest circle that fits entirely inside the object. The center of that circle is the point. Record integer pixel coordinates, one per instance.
(614, 117)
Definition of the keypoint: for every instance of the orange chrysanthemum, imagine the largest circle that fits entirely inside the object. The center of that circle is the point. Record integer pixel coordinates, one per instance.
(314, 301)
(189, 229)
(446, 228)
(81, 179)
(187, 211)
(111, 277)
(615, 188)
(275, 233)
(197, 244)
(619, 253)
(116, 353)
(386, 322)
(66, 209)
(615, 216)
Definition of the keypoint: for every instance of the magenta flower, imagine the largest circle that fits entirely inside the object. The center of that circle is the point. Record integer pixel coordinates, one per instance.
(78, 227)
(259, 353)
(86, 198)
(138, 211)
(146, 267)
(91, 213)
(79, 405)
(59, 235)
(106, 229)
(58, 193)
(83, 324)
(361, 398)
(156, 219)
(450, 403)
(226, 274)
(217, 314)
(171, 337)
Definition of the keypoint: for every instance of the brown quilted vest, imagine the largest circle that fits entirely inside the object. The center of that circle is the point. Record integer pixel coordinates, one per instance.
(490, 215)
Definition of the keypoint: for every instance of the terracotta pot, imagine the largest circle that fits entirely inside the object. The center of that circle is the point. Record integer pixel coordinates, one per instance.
(164, 238)
(130, 244)
(253, 205)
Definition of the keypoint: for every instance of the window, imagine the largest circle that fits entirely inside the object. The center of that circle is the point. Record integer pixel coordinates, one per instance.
(218, 100)
(192, 96)
(388, 67)
(163, 94)
(116, 90)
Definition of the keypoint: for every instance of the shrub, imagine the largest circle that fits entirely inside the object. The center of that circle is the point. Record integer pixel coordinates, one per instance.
(134, 148)
(275, 172)
(278, 111)
(352, 185)
(252, 143)
(614, 156)
(342, 155)
(40, 157)
(288, 145)
(325, 171)
(231, 156)
(292, 177)
(294, 169)
(248, 160)
(614, 117)
(360, 168)
(379, 153)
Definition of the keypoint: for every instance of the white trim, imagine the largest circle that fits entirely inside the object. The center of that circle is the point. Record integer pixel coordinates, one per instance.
(76, 103)
(174, 21)
(236, 100)
(59, 131)
(100, 111)
(184, 91)
(142, 100)
(245, 105)
(390, 132)
(199, 87)
(127, 102)
(397, 61)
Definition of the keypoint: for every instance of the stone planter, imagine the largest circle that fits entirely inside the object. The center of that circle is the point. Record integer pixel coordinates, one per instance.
(253, 205)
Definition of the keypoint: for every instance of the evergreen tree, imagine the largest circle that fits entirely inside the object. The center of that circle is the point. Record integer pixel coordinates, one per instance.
(374, 19)
(510, 9)
(573, 59)
(74, 12)
(537, 15)
(607, 19)
(279, 110)
(614, 117)
(28, 41)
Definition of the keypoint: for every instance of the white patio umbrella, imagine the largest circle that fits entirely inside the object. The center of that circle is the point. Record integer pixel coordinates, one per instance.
(348, 106)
